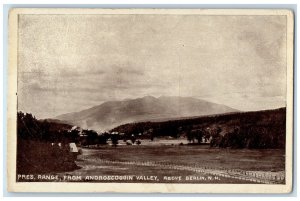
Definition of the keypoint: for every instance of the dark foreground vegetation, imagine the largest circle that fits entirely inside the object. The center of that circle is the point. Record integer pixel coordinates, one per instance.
(260, 129)
(43, 146)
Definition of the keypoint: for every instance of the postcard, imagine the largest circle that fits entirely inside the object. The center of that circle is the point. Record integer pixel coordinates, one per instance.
(150, 100)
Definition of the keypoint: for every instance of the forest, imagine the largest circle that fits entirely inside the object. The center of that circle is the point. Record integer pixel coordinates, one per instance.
(259, 129)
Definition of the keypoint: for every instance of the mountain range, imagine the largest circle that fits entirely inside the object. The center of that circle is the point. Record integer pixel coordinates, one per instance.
(114, 113)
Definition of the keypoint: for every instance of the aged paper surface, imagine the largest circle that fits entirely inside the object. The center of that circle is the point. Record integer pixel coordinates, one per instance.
(150, 100)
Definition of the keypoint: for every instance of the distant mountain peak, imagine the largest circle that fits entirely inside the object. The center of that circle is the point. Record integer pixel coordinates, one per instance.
(149, 97)
(114, 113)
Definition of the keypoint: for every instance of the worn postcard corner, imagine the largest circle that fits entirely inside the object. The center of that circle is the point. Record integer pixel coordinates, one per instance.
(150, 100)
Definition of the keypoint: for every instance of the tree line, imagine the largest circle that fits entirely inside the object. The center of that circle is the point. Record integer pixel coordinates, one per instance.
(260, 129)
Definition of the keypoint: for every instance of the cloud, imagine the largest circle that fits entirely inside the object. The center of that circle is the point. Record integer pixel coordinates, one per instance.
(68, 63)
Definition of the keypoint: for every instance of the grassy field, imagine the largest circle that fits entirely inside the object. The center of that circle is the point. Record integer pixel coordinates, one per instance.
(244, 159)
(166, 164)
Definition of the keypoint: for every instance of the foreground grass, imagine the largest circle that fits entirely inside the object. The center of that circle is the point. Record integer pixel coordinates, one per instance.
(129, 160)
(244, 159)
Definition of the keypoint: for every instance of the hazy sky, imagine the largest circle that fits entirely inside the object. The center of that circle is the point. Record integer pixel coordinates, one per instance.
(72, 62)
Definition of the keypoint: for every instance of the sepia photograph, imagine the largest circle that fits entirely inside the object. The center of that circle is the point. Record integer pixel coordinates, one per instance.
(150, 100)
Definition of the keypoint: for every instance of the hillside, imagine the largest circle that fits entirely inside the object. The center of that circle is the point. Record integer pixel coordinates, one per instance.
(114, 113)
(258, 129)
